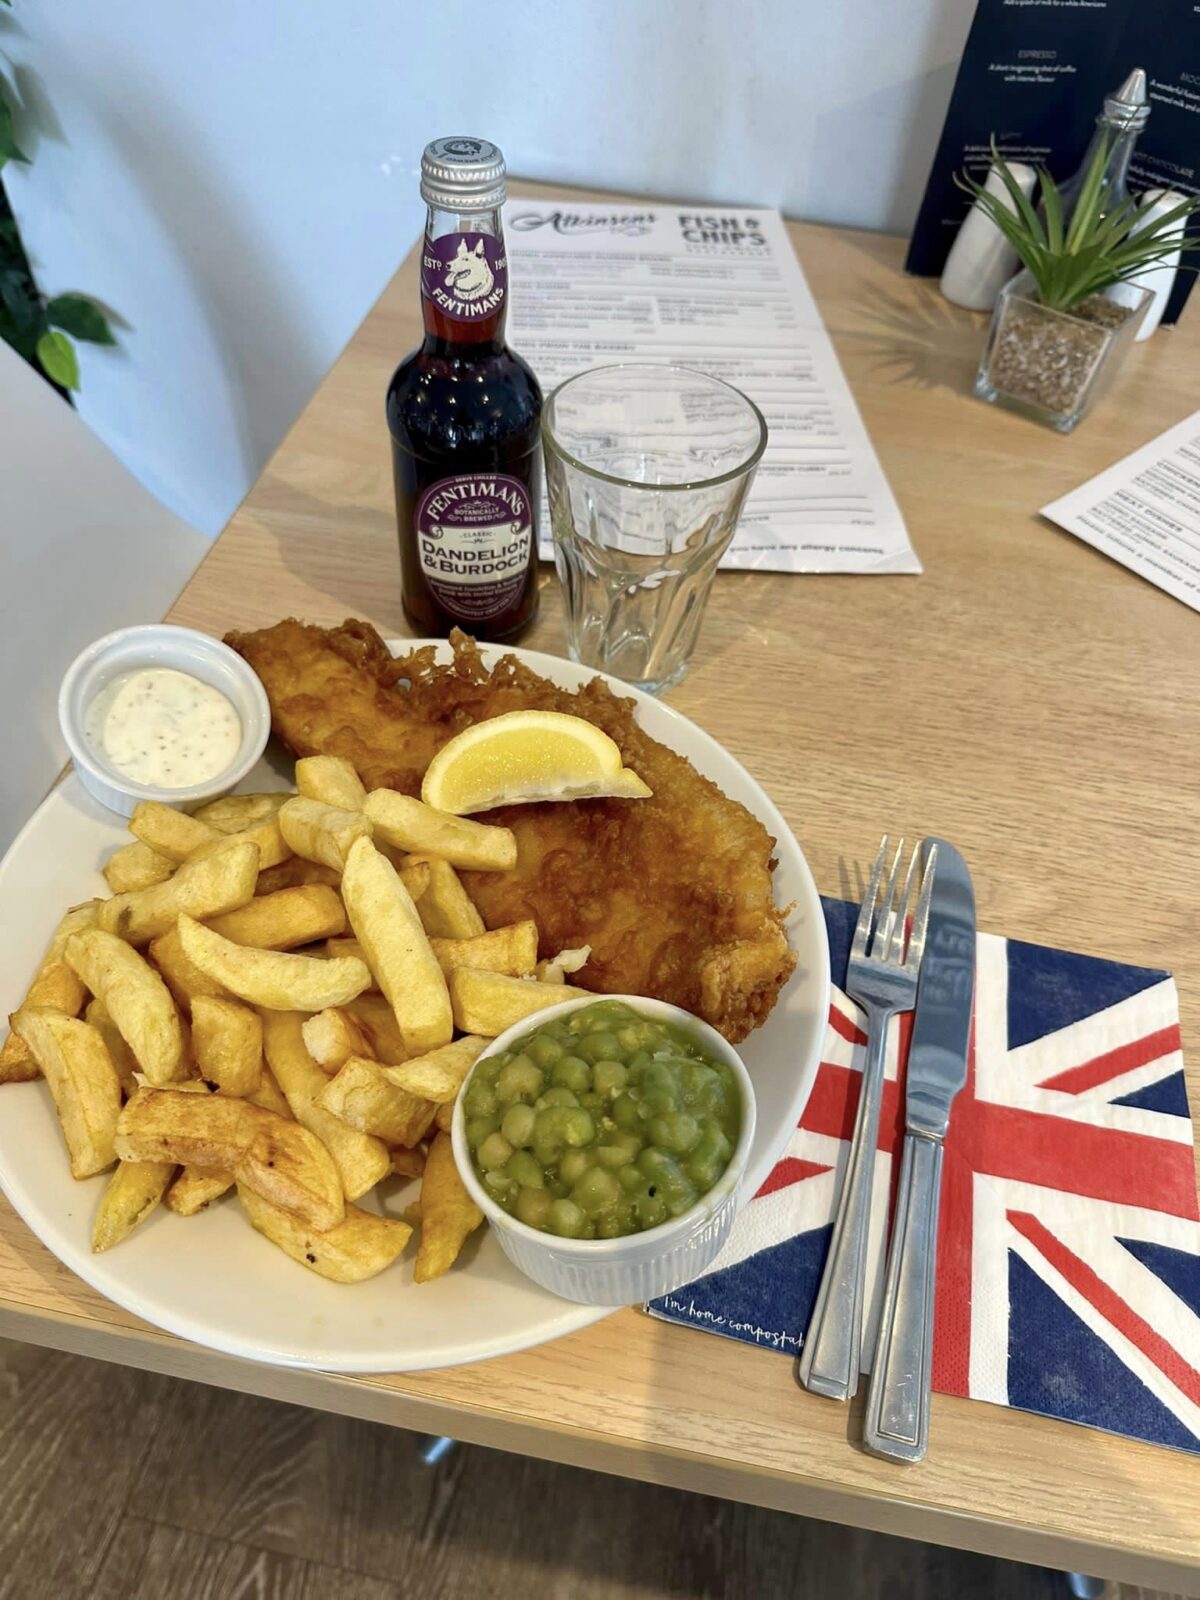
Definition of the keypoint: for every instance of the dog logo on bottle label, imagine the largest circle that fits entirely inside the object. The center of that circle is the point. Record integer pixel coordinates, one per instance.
(465, 275)
(469, 276)
(474, 540)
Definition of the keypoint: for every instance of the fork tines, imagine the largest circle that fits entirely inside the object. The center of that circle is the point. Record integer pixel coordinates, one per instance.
(883, 922)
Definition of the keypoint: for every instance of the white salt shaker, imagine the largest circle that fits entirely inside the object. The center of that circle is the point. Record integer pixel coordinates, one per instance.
(981, 260)
(1160, 278)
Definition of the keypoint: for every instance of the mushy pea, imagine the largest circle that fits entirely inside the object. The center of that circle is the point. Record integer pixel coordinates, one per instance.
(601, 1122)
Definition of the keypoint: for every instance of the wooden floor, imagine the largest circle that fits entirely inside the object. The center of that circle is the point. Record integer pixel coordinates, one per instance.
(121, 1485)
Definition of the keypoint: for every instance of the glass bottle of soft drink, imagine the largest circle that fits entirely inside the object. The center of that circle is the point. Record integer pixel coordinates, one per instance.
(464, 413)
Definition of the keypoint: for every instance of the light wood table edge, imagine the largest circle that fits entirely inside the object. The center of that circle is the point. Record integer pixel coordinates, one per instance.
(148, 1351)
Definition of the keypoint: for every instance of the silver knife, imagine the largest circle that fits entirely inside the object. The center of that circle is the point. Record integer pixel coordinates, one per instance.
(896, 1423)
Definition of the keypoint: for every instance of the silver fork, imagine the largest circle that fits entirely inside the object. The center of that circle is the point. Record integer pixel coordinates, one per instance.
(882, 978)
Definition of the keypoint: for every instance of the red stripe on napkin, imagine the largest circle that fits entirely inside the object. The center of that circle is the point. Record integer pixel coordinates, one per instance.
(1098, 1294)
(1138, 1053)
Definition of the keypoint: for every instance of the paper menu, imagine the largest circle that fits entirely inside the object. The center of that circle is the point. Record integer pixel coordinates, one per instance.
(1145, 511)
(722, 291)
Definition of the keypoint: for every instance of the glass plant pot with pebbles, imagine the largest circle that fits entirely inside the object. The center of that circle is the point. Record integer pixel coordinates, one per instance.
(1050, 364)
(1062, 326)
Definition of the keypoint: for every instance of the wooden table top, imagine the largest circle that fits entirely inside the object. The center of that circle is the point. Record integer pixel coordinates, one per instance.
(1026, 697)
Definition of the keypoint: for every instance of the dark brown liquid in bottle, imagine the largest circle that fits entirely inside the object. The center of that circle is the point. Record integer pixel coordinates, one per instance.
(464, 414)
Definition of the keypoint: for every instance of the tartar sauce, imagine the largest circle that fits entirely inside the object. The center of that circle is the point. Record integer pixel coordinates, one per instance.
(164, 728)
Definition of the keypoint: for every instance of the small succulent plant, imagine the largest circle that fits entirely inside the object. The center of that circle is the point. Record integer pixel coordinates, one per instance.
(1072, 257)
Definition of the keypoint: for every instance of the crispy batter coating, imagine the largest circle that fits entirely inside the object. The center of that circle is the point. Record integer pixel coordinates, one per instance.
(673, 894)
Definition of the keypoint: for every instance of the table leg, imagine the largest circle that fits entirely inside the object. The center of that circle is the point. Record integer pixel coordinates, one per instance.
(1084, 1588)
(435, 1448)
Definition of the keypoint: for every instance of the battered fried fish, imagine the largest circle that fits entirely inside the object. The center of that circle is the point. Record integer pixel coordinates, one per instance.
(673, 894)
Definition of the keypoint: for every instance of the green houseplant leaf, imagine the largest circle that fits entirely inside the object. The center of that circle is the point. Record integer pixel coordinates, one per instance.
(39, 331)
(10, 150)
(1086, 216)
(1054, 212)
(1070, 258)
(57, 356)
(82, 318)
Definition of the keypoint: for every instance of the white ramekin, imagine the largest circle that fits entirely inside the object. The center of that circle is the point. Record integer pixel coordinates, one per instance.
(159, 644)
(639, 1266)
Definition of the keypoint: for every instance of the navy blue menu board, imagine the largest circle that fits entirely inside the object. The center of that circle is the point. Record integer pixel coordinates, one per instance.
(1033, 77)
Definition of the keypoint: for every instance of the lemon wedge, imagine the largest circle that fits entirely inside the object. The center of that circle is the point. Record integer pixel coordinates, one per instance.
(523, 756)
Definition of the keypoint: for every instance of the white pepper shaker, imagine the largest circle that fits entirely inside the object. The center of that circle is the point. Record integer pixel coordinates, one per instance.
(1159, 278)
(981, 260)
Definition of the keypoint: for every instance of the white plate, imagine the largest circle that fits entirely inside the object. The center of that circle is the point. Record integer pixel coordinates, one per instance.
(210, 1278)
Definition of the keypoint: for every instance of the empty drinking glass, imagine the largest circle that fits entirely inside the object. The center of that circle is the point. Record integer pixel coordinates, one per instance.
(648, 468)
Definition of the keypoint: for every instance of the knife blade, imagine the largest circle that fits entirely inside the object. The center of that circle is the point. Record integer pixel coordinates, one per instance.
(896, 1422)
(937, 1051)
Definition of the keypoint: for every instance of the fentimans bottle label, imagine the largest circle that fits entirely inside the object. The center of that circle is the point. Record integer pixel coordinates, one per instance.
(475, 543)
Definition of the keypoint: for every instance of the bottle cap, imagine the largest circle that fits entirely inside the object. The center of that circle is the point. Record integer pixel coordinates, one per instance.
(462, 173)
(1128, 106)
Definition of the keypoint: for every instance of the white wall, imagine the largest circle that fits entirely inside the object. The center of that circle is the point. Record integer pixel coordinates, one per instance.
(237, 179)
(67, 506)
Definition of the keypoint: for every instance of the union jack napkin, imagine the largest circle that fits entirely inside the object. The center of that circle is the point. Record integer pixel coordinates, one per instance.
(1069, 1246)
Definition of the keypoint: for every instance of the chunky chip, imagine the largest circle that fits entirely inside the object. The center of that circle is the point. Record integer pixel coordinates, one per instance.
(200, 888)
(194, 1189)
(284, 920)
(361, 1097)
(446, 909)
(130, 1195)
(182, 977)
(56, 985)
(279, 1160)
(82, 1080)
(439, 1075)
(512, 950)
(320, 832)
(273, 849)
(414, 874)
(135, 997)
(96, 1016)
(386, 924)
(411, 825)
(273, 979)
(171, 833)
(409, 1163)
(136, 866)
(289, 917)
(289, 1166)
(360, 1159)
(358, 1248)
(378, 1021)
(365, 1027)
(448, 1214)
(488, 1002)
(345, 947)
(270, 1096)
(234, 813)
(189, 1125)
(332, 1037)
(227, 1041)
(16, 1062)
(293, 872)
(332, 781)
